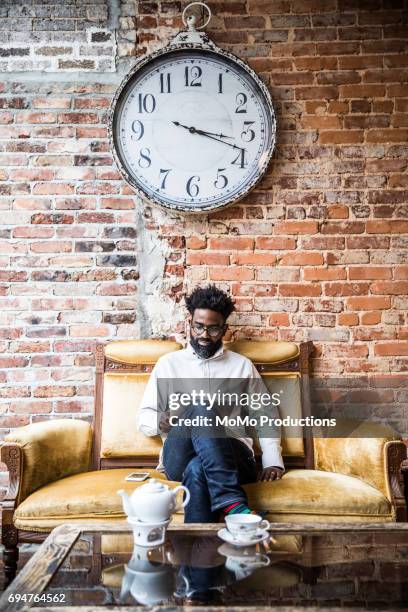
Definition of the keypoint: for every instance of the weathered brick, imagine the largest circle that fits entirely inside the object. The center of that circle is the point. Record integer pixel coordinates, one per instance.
(95, 217)
(196, 242)
(231, 273)
(100, 36)
(54, 391)
(89, 331)
(371, 318)
(256, 259)
(51, 219)
(278, 243)
(348, 319)
(51, 51)
(13, 361)
(92, 103)
(389, 287)
(94, 246)
(296, 227)
(231, 242)
(369, 303)
(301, 259)
(117, 260)
(77, 118)
(369, 272)
(34, 117)
(391, 348)
(197, 258)
(299, 289)
(324, 274)
(341, 289)
(76, 65)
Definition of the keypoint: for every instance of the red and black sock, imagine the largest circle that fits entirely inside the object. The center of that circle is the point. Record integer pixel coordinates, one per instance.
(236, 508)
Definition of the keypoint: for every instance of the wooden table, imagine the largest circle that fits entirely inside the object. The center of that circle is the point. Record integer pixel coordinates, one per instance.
(337, 564)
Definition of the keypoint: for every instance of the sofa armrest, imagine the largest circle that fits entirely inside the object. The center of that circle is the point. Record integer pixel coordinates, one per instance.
(43, 452)
(371, 455)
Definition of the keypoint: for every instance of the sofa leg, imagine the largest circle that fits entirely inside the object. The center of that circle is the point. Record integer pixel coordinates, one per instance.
(9, 536)
(10, 559)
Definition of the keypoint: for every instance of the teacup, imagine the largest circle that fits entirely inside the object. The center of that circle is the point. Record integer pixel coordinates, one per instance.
(245, 526)
(246, 566)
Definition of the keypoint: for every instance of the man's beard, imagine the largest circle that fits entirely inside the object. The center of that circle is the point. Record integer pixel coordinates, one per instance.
(205, 351)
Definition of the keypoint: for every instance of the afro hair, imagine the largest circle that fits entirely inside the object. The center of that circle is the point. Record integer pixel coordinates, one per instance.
(212, 298)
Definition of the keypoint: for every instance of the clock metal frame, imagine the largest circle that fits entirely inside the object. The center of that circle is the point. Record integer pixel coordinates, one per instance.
(189, 40)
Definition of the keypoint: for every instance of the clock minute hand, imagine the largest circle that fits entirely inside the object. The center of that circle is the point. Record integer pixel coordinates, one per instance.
(201, 133)
(186, 127)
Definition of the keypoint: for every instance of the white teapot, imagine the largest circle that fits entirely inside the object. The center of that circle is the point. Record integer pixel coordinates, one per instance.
(148, 583)
(153, 502)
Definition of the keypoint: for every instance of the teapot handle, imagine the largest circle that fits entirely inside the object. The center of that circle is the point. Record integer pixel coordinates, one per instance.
(186, 500)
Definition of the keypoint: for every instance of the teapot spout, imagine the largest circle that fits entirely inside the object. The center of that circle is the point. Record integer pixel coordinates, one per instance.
(126, 502)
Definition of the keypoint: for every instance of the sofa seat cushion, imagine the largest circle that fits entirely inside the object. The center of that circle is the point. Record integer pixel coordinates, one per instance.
(82, 497)
(317, 496)
(300, 496)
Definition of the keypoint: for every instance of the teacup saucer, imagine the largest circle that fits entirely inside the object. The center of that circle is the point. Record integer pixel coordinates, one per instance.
(247, 553)
(227, 536)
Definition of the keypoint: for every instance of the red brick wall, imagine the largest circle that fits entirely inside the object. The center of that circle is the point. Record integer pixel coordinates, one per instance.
(317, 251)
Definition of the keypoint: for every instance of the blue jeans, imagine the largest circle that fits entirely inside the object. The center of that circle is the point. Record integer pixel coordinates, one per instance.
(212, 468)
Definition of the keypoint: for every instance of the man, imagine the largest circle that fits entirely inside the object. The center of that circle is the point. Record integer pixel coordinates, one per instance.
(213, 468)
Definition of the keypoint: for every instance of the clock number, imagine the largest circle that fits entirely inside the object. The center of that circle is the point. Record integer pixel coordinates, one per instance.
(191, 187)
(247, 134)
(144, 160)
(220, 83)
(221, 181)
(240, 160)
(147, 103)
(165, 172)
(137, 129)
(241, 100)
(192, 76)
(165, 83)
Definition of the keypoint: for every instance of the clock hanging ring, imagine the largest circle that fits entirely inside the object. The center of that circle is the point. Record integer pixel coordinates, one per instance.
(192, 127)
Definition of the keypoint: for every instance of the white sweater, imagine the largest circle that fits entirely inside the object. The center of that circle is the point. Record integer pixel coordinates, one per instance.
(185, 363)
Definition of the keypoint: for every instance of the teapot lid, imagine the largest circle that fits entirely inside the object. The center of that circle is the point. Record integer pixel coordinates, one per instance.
(154, 486)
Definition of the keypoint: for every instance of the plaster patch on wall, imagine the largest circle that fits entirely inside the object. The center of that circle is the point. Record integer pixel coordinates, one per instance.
(158, 313)
(113, 14)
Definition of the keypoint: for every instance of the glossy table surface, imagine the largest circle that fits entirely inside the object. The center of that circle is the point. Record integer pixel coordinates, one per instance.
(300, 566)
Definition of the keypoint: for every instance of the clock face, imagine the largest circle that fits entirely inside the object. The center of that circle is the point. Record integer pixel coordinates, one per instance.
(193, 130)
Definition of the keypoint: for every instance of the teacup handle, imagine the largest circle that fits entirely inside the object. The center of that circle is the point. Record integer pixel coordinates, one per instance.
(187, 499)
(264, 560)
(264, 524)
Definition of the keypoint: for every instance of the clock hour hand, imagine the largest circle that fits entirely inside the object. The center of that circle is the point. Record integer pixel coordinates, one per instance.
(194, 130)
(213, 134)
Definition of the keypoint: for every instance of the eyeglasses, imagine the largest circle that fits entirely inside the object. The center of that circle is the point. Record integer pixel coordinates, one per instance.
(213, 330)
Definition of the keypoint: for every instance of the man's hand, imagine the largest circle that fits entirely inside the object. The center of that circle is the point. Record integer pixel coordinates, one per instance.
(271, 473)
(164, 425)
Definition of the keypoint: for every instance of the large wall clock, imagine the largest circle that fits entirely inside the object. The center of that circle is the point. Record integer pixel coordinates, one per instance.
(192, 127)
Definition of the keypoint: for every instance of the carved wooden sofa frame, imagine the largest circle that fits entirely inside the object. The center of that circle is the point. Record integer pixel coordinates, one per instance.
(12, 454)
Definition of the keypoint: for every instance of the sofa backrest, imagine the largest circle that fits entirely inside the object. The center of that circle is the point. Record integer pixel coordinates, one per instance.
(122, 371)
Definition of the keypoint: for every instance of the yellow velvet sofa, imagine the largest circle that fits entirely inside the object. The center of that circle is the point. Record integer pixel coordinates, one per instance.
(69, 470)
